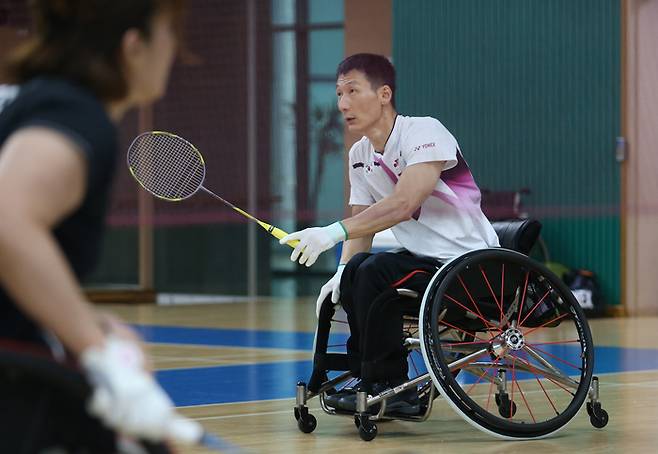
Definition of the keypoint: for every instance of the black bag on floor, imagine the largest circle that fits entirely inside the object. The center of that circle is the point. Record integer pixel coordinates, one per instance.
(586, 289)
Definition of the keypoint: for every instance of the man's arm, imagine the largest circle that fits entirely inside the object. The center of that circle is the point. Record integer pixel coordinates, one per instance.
(352, 247)
(414, 186)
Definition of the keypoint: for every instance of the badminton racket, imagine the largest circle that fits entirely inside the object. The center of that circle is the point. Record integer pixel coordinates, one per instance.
(172, 169)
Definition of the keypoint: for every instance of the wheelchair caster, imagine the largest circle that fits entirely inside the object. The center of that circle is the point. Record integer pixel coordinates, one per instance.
(306, 422)
(367, 428)
(598, 417)
(357, 423)
(506, 407)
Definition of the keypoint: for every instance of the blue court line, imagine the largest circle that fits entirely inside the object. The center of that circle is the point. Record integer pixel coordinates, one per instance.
(276, 380)
(289, 340)
(235, 383)
(266, 381)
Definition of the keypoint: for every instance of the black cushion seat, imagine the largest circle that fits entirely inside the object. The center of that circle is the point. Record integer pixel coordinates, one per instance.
(517, 234)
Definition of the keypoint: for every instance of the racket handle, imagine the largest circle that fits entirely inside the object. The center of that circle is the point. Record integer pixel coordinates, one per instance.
(278, 234)
(189, 432)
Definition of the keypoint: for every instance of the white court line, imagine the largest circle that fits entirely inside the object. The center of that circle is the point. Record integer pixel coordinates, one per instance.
(243, 415)
(254, 362)
(292, 399)
(648, 384)
(236, 347)
(264, 355)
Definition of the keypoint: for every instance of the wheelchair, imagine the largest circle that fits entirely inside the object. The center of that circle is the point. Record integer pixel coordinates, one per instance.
(44, 406)
(496, 334)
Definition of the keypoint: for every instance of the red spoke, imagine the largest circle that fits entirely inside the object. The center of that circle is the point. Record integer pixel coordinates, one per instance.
(525, 287)
(548, 378)
(471, 312)
(477, 308)
(500, 305)
(452, 344)
(518, 385)
(559, 359)
(542, 388)
(478, 381)
(489, 396)
(574, 341)
(486, 371)
(511, 402)
(535, 307)
(465, 332)
(472, 359)
(502, 291)
(547, 323)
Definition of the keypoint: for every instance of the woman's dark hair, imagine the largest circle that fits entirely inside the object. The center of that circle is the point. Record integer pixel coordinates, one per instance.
(378, 70)
(80, 40)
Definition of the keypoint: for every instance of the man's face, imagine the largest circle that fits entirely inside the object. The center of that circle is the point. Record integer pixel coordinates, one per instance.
(359, 103)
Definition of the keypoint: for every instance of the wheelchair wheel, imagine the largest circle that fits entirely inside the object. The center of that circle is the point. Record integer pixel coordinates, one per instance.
(518, 337)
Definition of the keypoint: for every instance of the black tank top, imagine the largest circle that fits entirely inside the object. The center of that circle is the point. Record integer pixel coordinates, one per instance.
(75, 112)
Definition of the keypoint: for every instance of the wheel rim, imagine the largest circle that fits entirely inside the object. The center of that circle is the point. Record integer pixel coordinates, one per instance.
(538, 360)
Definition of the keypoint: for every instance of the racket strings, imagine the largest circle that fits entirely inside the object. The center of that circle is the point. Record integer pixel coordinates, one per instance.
(180, 164)
(166, 165)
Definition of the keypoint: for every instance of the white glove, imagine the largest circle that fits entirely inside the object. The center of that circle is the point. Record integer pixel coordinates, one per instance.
(332, 286)
(314, 241)
(128, 399)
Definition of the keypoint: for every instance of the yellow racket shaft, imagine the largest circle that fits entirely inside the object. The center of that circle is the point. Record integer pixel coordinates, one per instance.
(278, 233)
(274, 231)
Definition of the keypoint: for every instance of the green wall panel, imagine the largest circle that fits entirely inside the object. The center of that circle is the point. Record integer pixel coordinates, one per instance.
(530, 88)
(119, 259)
(189, 259)
(208, 259)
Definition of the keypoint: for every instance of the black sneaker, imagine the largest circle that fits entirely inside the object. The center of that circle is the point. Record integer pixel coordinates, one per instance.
(334, 400)
(405, 403)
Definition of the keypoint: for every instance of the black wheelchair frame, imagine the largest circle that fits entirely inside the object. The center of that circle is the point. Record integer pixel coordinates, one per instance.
(487, 318)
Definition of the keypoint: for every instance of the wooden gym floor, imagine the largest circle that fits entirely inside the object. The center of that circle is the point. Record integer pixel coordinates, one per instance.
(234, 366)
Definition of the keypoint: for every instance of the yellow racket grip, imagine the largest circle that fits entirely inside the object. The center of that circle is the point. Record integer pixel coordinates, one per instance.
(278, 234)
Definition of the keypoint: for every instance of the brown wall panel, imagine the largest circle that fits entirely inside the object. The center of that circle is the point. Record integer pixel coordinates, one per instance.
(368, 28)
(641, 168)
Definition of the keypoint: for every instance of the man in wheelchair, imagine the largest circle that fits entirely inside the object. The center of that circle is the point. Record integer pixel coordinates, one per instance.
(407, 174)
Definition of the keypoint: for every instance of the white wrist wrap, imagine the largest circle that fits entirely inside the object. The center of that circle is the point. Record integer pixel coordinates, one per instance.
(336, 231)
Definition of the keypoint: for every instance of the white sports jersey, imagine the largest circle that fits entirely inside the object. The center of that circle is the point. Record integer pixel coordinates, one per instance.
(450, 222)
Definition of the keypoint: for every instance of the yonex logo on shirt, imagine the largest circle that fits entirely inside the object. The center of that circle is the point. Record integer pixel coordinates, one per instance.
(425, 145)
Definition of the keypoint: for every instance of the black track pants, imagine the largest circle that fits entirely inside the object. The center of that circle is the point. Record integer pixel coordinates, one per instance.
(374, 310)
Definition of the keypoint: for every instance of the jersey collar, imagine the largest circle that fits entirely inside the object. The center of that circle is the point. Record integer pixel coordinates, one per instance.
(386, 144)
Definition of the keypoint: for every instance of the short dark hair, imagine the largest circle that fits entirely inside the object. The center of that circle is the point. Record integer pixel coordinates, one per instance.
(80, 40)
(377, 68)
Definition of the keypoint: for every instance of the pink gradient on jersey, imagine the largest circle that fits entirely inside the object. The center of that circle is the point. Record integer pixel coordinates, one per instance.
(459, 179)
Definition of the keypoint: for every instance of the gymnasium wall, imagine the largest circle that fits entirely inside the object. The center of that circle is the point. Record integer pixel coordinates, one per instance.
(531, 90)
